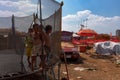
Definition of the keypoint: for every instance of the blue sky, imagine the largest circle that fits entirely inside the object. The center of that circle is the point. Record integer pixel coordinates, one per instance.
(103, 16)
(99, 7)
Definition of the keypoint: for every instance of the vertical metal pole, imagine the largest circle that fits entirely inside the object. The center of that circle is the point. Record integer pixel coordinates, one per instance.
(13, 34)
(86, 23)
(54, 20)
(64, 53)
(37, 7)
(40, 12)
(59, 67)
(66, 66)
(13, 26)
(14, 45)
(42, 58)
(34, 18)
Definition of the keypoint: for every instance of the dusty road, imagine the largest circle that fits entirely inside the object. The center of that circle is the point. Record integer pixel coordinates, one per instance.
(93, 68)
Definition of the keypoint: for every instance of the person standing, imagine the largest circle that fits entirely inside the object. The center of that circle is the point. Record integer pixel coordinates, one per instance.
(46, 49)
(48, 30)
(29, 45)
(37, 44)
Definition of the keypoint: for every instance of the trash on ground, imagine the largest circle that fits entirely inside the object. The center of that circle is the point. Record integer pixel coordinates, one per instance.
(64, 72)
(91, 69)
(79, 77)
(79, 69)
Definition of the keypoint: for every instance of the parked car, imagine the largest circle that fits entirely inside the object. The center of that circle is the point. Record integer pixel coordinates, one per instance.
(69, 51)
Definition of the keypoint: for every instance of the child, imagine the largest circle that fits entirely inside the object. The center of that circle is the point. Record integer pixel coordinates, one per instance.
(29, 45)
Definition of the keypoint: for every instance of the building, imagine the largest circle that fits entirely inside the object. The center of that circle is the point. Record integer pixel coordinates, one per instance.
(66, 36)
(118, 32)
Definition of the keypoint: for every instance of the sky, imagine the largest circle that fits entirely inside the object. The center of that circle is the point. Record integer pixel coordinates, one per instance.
(103, 16)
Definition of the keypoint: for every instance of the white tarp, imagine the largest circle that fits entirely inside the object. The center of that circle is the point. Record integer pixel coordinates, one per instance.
(107, 48)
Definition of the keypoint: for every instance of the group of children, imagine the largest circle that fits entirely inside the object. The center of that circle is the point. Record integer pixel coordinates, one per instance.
(38, 44)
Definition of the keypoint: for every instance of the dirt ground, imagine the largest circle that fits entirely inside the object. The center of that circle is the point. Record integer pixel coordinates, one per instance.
(93, 67)
(88, 67)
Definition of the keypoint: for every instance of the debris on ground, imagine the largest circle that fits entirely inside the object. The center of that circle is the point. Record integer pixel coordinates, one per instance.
(64, 73)
(79, 68)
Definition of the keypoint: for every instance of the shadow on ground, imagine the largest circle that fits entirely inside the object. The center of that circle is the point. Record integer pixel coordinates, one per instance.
(80, 60)
(101, 56)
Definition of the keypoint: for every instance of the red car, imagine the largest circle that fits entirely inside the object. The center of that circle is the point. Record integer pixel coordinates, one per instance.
(69, 51)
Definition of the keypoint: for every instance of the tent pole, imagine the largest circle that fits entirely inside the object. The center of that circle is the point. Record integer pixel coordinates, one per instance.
(40, 12)
(66, 66)
(42, 58)
(54, 20)
(13, 27)
(13, 33)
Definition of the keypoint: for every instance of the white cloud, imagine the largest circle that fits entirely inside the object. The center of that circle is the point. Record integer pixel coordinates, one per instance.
(22, 7)
(10, 13)
(77, 16)
(26, 6)
(98, 23)
(71, 22)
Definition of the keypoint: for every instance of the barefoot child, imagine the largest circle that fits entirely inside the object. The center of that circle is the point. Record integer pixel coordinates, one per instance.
(29, 45)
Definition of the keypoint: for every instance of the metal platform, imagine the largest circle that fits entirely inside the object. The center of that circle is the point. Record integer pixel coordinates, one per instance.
(11, 66)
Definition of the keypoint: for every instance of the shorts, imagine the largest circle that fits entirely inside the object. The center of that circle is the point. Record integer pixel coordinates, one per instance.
(29, 51)
(36, 51)
(47, 49)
